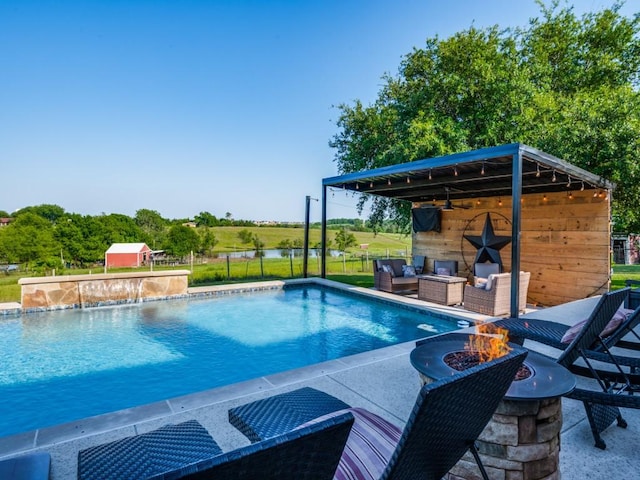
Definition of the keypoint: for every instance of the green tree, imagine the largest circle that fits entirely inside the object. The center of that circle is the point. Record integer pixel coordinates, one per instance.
(29, 240)
(345, 239)
(153, 226)
(207, 243)
(206, 219)
(565, 85)
(181, 241)
(48, 212)
(4, 214)
(258, 245)
(245, 236)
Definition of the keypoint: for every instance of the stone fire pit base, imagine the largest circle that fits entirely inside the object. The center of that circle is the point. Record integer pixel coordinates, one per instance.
(521, 442)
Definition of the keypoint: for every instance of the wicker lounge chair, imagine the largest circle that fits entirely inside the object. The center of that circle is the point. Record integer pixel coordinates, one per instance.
(497, 300)
(187, 451)
(551, 333)
(614, 380)
(447, 418)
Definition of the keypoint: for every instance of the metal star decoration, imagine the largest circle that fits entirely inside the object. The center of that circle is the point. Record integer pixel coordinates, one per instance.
(488, 244)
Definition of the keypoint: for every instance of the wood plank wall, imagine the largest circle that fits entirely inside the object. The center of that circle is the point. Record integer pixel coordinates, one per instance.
(565, 242)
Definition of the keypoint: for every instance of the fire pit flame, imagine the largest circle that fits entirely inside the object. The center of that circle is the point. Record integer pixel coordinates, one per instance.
(488, 342)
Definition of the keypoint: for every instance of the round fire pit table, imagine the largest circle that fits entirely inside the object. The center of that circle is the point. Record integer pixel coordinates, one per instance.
(522, 440)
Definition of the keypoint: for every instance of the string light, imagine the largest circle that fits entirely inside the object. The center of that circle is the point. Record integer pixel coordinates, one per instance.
(478, 202)
(569, 182)
(553, 178)
(570, 195)
(429, 174)
(370, 184)
(455, 171)
(499, 201)
(482, 171)
(408, 180)
(388, 181)
(357, 186)
(544, 197)
(595, 194)
(600, 195)
(537, 169)
(582, 186)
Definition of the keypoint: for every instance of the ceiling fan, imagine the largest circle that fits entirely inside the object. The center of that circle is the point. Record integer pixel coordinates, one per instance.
(448, 206)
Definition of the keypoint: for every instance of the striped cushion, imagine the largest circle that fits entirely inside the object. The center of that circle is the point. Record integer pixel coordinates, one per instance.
(371, 443)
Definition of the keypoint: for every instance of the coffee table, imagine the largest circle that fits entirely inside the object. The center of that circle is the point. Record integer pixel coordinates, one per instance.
(442, 289)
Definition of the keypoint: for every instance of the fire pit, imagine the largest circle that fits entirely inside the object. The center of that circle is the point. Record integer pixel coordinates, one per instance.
(523, 439)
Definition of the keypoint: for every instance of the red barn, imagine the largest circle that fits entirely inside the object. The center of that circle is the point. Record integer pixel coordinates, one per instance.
(127, 255)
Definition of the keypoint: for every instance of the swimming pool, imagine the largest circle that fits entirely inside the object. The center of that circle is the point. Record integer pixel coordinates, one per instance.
(64, 365)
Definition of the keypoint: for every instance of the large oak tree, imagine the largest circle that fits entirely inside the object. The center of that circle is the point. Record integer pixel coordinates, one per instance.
(565, 85)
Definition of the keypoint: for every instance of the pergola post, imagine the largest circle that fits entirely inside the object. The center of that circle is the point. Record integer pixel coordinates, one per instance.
(323, 250)
(516, 211)
(305, 254)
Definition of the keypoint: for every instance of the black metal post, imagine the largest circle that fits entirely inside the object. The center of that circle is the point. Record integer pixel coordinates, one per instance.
(516, 213)
(323, 269)
(305, 255)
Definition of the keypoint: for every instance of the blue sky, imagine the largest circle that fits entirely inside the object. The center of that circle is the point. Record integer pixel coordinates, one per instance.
(189, 106)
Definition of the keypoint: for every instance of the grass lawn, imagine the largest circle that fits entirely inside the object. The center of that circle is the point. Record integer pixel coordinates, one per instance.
(355, 270)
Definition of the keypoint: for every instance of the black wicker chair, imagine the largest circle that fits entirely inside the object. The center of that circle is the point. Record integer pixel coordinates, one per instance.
(447, 418)
(551, 333)
(186, 451)
(615, 379)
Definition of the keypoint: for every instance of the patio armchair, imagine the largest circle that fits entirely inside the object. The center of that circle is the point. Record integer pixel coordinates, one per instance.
(496, 299)
(420, 263)
(445, 267)
(393, 276)
(483, 270)
(448, 416)
(186, 451)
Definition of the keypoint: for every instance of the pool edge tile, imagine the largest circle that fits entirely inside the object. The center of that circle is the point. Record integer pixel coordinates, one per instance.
(101, 423)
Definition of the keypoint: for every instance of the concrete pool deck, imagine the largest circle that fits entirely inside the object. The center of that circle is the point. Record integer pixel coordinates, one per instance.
(381, 380)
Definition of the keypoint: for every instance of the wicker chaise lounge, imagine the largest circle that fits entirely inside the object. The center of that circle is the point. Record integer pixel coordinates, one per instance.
(187, 450)
(496, 300)
(614, 381)
(447, 418)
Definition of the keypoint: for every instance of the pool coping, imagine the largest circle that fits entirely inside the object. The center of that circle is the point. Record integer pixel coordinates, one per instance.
(85, 427)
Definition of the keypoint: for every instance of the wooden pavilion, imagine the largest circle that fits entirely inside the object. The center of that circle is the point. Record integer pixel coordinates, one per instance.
(556, 215)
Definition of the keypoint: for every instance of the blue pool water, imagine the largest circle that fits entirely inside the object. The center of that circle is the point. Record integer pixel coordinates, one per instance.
(64, 365)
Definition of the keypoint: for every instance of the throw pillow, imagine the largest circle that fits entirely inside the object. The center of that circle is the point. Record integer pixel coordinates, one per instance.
(620, 316)
(489, 283)
(388, 269)
(443, 271)
(408, 270)
(480, 282)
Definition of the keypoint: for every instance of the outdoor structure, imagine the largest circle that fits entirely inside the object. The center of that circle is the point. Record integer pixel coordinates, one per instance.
(626, 249)
(540, 214)
(127, 255)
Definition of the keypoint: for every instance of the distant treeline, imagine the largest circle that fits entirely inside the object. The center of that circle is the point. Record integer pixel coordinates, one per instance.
(46, 236)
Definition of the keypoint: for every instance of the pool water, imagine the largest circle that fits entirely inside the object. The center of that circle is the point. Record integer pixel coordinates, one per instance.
(65, 365)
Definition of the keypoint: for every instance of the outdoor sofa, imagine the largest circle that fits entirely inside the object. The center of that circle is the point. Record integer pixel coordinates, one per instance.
(389, 275)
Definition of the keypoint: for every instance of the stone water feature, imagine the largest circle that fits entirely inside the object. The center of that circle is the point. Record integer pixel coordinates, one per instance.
(79, 291)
